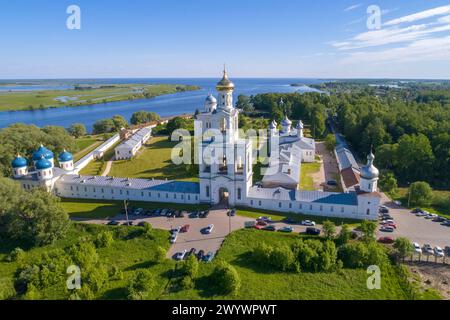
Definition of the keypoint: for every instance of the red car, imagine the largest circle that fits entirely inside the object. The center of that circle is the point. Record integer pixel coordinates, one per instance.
(258, 227)
(261, 223)
(185, 228)
(386, 240)
(393, 225)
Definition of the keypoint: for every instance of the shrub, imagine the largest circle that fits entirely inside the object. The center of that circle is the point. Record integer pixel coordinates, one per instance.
(16, 255)
(190, 267)
(140, 285)
(160, 254)
(104, 239)
(226, 278)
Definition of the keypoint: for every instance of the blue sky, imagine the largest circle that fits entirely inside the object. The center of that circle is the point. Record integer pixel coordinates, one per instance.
(193, 38)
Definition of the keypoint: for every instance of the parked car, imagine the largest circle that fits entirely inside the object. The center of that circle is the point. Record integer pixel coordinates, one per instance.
(127, 223)
(175, 230)
(290, 221)
(249, 224)
(200, 255)
(431, 216)
(142, 224)
(286, 229)
(138, 211)
(439, 219)
(332, 183)
(446, 223)
(387, 221)
(308, 223)
(180, 255)
(422, 214)
(393, 225)
(208, 257)
(157, 212)
(387, 229)
(438, 252)
(416, 210)
(261, 223)
(204, 214)
(384, 210)
(447, 251)
(258, 227)
(313, 231)
(185, 228)
(398, 203)
(269, 228)
(231, 213)
(427, 249)
(264, 219)
(209, 229)
(193, 252)
(113, 223)
(194, 214)
(164, 212)
(417, 248)
(386, 240)
(174, 237)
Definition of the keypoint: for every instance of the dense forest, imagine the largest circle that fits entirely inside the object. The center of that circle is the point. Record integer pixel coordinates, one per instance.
(407, 126)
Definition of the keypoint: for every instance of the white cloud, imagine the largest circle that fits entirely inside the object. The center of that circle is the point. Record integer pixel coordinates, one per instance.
(420, 15)
(353, 7)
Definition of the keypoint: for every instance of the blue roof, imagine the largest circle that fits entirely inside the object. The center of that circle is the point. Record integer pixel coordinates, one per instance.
(65, 156)
(349, 199)
(42, 151)
(19, 162)
(42, 164)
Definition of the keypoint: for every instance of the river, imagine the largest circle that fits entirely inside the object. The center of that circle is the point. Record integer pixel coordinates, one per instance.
(166, 105)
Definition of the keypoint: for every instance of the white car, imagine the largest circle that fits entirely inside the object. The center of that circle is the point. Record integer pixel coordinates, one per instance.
(180, 255)
(438, 252)
(431, 216)
(209, 228)
(398, 203)
(387, 221)
(174, 238)
(308, 223)
(417, 248)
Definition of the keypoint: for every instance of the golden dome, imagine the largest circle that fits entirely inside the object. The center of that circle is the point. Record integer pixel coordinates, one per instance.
(225, 83)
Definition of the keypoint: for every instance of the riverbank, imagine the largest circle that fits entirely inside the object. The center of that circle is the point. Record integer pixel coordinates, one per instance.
(86, 95)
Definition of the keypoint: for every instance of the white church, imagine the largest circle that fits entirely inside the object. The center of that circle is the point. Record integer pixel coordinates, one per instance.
(225, 171)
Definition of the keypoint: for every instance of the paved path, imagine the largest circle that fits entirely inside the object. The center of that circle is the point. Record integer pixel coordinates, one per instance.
(330, 166)
(107, 169)
(417, 229)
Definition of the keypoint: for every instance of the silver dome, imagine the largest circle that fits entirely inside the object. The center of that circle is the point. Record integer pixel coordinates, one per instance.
(210, 99)
(273, 125)
(369, 171)
(286, 122)
(300, 125)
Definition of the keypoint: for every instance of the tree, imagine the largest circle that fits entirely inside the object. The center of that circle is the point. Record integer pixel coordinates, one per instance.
(104, 239)
(353, 254)
(141, 117)
(388, 183)
(160, 254)
(226, 278)
(140, 285)
(119, 122)
(103, 126)
(368, 229)
(329, 229)
(179, 123)
(190, 267)
(38, 219)
(282, 258)
(77, 130)
(344, 234)
(244, 103)
(403, 246)
(330, 142)
(420, 193)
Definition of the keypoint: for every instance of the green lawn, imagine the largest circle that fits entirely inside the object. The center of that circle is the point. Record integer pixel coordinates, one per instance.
(153, 161)
(97, 167)
(100, 209)
(278, 216)
(132, 251)
(306, 180)
(32, 100)
(436, 207)
(86, 145)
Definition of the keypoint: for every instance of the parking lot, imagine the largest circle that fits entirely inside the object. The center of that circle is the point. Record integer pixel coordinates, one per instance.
(417, 229)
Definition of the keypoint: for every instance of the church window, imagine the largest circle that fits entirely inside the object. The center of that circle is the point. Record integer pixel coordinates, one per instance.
(251, 202)
(189, 197)
(259, 203)
(300, 206)
(368, 212)
(279, 204)
(207, 191)
(321, 208)
(182, 197)
(167, 196)
(342, 209)
(128, 193)
(239, 192)
(310, 207)
(290, 205)
(175, 196)
(332, 209)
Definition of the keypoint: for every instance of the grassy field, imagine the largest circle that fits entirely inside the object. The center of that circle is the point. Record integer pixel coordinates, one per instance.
(32, 100)
(435, 207)
(131, 251)
(153, 161)
(97, 167)
(279, 216)
(306, 172)
(86, 145)
(101, 209)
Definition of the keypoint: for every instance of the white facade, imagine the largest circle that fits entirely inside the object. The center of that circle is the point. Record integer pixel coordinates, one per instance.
(131, 146)
(225, 172)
